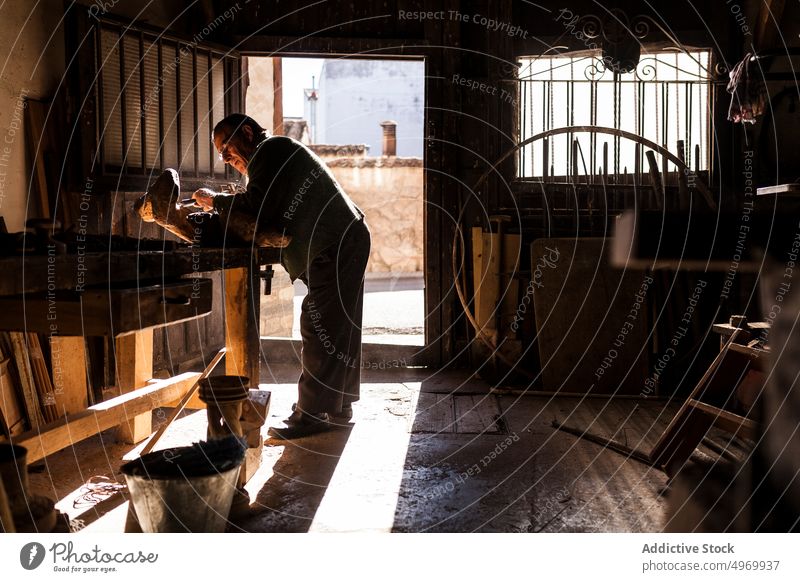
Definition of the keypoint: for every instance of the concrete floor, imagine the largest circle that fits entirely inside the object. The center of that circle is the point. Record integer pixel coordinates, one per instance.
(425, 452)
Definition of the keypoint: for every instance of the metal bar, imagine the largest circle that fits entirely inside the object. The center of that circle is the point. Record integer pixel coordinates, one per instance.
(683, 182)
(545, 159)
(655, 178)
(606, 443)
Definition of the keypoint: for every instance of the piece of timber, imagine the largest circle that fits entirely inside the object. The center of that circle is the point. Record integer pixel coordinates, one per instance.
(242, 297)
(70, 380)
(663, 450)
(55, 436)
(110, 310)
(701, 240)
(792, 189)
(183, 402)
(25, 374)
(134, 358)
(78, 272)
(727, 420)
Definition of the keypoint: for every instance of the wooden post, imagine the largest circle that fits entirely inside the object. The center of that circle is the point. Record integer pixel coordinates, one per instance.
(277, 96)
(6, 521)
(242, 338)
(68, 362)
(134, 359)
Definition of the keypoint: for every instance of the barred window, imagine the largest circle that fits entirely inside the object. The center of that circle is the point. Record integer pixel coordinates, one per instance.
(667, 98)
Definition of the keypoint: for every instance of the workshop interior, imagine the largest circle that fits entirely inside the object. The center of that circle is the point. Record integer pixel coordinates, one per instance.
(557, 288)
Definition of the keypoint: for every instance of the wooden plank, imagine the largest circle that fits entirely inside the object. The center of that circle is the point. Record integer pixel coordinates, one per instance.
(277, 97)
(693, 426)
(190, 393)
(768, 23)
(590, 332)
(6, 521)
(44, 386)
(727, 328)
(683, 180)
(25, 375)
(65, 272)
(509, 287)
(236, 321)
(477, 269)
(668, 439)
(36, 138)
(726, 420)
(793, 188)
(70, 380)
(242, 299)
(655, 179)
(134, 358)
(487, 285)
(73, 428)
(476, 414)
(13, 413)
(435, 414)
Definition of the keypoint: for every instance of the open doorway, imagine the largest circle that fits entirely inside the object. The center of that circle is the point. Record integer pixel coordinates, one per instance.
(364, 118)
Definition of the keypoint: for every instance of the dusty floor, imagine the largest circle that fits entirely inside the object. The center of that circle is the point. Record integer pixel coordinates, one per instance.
(425, 452)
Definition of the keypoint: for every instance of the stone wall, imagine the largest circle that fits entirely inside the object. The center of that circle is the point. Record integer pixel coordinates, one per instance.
(389, 191)
(260, 96)
(277, 308)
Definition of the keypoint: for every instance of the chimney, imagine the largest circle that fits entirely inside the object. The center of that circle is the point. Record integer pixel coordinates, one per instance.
(389, 138)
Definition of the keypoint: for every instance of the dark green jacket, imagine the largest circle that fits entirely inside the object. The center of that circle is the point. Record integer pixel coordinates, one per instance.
(290, 189)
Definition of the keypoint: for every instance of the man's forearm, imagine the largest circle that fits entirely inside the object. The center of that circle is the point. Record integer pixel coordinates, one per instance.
(223, 202)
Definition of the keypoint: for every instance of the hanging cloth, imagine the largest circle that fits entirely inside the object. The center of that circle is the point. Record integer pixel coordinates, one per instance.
(748, 95)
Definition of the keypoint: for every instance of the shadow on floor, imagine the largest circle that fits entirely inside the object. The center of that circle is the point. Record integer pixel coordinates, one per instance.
(289, 499)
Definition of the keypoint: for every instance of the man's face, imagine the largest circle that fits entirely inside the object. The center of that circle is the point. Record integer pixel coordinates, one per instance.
(235, 149)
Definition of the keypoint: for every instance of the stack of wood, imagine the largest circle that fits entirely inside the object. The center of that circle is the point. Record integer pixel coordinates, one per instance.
(27, 396)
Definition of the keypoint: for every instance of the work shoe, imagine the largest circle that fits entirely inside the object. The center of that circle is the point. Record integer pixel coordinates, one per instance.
(302, 424)
(344, 417)
(337, 418)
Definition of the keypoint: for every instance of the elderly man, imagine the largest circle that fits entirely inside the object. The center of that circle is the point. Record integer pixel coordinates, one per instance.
(289, 189)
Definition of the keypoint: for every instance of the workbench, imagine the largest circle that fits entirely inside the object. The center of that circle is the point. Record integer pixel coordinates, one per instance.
(139, 394)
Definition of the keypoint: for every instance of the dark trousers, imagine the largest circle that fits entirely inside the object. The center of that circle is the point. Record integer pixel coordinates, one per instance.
(330, 324)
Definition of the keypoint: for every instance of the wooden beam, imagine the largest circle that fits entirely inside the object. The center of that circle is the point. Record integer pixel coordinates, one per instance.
(68, 362)
(768, 23)
(241, 323)
(277, 96)
(6, 521)
(74, 428)
(727, 420)
(25, 373)
(313, 46)
(655, 179)
(134, 357)
(671, 436)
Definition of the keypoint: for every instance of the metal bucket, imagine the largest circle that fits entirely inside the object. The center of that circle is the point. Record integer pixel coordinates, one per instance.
(185, 489)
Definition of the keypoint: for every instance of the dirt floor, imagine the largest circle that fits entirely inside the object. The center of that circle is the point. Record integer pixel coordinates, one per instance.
(425, 452)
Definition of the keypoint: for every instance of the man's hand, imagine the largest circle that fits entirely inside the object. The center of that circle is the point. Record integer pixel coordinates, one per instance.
(204, 198)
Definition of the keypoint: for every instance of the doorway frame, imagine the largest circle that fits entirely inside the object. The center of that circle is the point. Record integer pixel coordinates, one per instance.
(437, 277)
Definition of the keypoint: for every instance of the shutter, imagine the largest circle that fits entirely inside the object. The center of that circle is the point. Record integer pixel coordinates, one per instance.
(159, 99)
